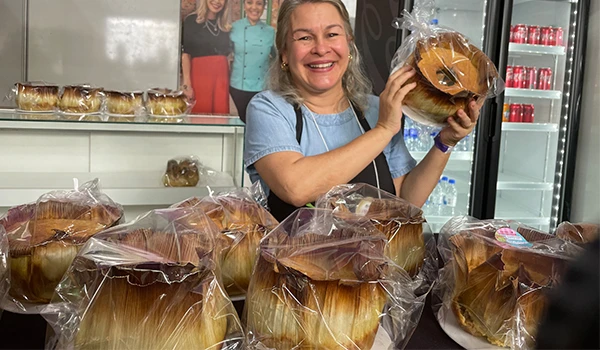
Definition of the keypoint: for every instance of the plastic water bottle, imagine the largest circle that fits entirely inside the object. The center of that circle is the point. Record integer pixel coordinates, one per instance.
(434, 22)
(444, 191)
(414, 140)
(407, 138)
(436, 198)
(425, 140)
(451, 197)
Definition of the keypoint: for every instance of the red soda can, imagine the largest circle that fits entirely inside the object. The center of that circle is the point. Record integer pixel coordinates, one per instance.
(530, 78)
(547, 36)
(545, 79)
(528, 113)
(533, 35)
(520, 34)
(516, 113)
(518, 77)
(558, 36)
(509, 77)
(512, 34)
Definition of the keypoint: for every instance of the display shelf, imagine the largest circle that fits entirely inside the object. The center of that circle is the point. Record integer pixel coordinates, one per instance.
(533, 93)
(455, 155)
(125, 188)
(528, 49)
(508, 181)
(9, 119)
(541, 127)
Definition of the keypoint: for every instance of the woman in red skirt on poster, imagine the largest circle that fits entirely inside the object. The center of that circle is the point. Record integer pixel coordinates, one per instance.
(206, 48)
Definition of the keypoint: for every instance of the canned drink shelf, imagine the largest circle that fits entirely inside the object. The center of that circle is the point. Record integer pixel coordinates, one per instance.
(528, 49)
(538, 127)
(532, 93)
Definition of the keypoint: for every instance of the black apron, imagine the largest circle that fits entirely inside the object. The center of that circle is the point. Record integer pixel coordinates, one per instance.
(281, 210)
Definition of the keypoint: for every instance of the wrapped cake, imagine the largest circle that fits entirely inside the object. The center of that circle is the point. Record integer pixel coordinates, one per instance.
(81, 102)
(37, 97)
(152, 283)
(409, 240)
(182, 172)
(45, 236)
(450, 71)
(323, 282)
(166, 106)
(124, 106)
(4, 269)
(242, 223)
(495, 279)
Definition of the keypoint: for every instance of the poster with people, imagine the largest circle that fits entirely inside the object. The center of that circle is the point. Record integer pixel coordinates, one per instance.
(227, 47)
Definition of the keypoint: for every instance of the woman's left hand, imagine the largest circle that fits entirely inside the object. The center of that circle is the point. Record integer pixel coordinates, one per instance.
(461, 124)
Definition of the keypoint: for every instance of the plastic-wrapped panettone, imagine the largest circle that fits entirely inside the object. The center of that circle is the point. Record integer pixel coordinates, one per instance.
(152, 283)
(36, 97)
(450, 71)
(44, 238)
(167, 106)
(4, 269)
(81, 102)
(323, 282)
(242, 223)
(123, 106)
(495, 280)
(410, 243)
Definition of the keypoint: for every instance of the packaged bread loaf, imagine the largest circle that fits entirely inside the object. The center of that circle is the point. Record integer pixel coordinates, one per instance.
(152, 283)
(166, 106)
(450, 70)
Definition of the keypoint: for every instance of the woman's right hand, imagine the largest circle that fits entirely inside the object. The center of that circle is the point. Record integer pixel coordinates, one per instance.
(390, 100)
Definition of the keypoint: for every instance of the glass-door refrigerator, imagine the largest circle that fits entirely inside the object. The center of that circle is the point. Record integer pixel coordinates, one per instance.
(518, 163)
(543, 65)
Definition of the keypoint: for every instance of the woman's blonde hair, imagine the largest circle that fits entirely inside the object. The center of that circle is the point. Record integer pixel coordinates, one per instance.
(223, 17)
(355, 82)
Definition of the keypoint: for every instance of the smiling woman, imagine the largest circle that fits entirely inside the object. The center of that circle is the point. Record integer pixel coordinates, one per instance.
(253, 45)
(318, 126)
(204, 60)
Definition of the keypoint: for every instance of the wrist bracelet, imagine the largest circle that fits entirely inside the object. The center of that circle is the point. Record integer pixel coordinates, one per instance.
(437, 141)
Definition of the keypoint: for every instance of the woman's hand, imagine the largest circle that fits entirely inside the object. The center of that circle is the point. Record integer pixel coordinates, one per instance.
(461, 124)
(390, 100)
(188, 91)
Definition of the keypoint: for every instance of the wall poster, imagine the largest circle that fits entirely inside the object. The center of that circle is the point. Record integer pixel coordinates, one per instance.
(226, 49)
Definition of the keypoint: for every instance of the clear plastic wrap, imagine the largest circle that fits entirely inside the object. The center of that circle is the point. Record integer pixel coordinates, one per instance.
(45, 236)
(4, 268)
(322, 280)
(494, 283)
(410, 243)
(125, 106)
(450, 70)
(81, 102)
(152, 283)
(183, 172)
(242, 223)
(35, 100)
(167, 106)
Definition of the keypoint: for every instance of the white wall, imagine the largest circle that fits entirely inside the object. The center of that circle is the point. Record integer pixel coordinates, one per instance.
(586, 197)
(117, 44)
(12, 44)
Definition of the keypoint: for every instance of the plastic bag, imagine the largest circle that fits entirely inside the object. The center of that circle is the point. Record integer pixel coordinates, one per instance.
(167, 106)
(242, 223)
(450, 70)
(322, 281)
(496, 274)
(36, 97)
(4, 268)
(125, 106)
(183, 172)
(81, 102)
(44, 238)
(152, 283)
(410, 243)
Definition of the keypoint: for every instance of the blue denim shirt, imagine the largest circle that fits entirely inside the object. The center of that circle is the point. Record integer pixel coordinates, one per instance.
(252, 47)
(271, 128)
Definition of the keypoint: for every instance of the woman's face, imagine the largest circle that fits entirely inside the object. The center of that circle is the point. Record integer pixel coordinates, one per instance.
(317, 48)
(254, 9)
(215, 6)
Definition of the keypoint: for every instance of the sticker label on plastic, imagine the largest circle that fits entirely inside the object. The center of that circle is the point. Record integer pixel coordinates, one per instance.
(512, 238)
